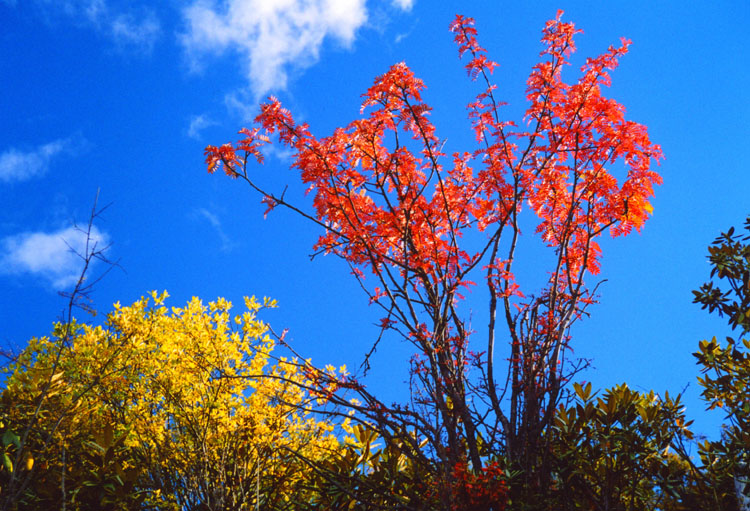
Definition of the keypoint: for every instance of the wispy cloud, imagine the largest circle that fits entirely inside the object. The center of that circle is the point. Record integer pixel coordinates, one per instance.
(269, 37)
(53, 256)
(127, 26)
(213, 219)
(197, 124)
(404, 5)
(129, 30)
(18, 165)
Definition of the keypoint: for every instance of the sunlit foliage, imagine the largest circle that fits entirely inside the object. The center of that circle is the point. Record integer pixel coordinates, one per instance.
(174, 408)
(397, 207)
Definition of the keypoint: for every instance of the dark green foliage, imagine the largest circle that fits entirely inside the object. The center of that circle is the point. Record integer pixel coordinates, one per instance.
(617, 452)
(726, 366)
(729, 255)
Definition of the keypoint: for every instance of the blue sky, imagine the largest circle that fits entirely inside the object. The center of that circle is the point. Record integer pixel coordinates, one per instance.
(123, 96)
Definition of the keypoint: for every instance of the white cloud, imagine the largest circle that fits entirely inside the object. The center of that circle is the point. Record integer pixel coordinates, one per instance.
(94, 10)
(270, 37)
(213, 219)
(53, 256)
(127, 30)
(242, 103)
(405, 5)
(17, 165)
(127, 26)
(197, 124)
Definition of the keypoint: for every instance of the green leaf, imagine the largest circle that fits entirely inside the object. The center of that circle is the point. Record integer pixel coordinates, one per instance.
(582, 392)
(11, 438)
(7, 463)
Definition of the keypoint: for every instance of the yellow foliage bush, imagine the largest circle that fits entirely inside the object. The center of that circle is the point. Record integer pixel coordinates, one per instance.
(172, 407)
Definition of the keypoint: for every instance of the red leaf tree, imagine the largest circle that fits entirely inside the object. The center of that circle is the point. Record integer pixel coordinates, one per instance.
(396, 208)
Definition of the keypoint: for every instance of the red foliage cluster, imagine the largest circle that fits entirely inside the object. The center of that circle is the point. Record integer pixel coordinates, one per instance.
(391, 202)
(485, 491)
(374, 201)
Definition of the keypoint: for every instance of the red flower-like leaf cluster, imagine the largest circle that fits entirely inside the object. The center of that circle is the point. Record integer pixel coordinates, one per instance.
(393, 203)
